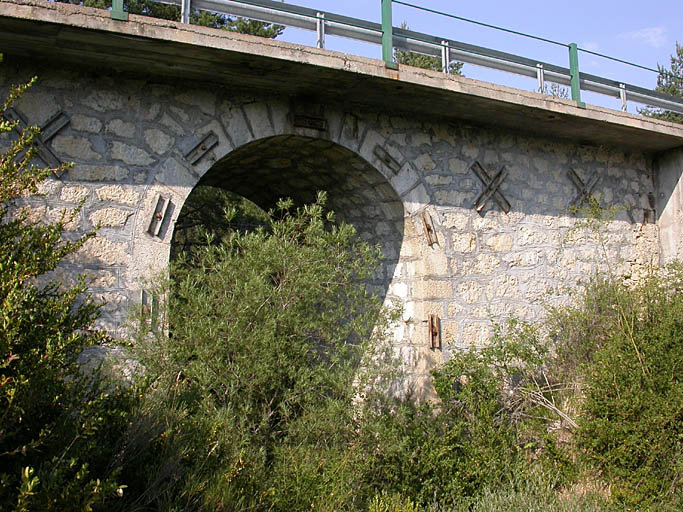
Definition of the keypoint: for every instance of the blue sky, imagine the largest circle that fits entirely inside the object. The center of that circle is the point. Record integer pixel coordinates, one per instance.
(640, 32)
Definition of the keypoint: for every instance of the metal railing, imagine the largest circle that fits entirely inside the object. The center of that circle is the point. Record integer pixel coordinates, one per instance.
(390, 38)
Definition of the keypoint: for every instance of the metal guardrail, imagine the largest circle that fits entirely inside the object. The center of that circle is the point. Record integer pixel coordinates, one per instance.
(390, 37)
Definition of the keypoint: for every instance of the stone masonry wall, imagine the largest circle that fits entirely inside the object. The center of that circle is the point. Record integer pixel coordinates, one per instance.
(129, 140)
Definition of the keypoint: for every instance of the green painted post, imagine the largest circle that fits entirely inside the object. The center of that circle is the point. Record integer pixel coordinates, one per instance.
(574, 74)
(387, 36)
(117, 12)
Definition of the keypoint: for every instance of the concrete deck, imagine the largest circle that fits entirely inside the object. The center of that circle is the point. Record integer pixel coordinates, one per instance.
(81, 36)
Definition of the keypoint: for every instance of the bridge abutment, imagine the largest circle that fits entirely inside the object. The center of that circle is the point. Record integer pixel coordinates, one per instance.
(670, 204)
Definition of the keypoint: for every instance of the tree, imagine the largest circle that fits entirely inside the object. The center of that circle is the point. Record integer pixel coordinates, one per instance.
(419, 60)
(669, 81)
(58, 426)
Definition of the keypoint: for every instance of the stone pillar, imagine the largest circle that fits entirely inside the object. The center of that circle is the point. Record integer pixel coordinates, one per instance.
(670, 204)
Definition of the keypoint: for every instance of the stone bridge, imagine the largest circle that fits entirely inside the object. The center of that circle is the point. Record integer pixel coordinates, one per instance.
(467, 186)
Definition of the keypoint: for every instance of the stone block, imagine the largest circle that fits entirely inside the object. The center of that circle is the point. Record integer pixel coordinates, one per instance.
(104, 100)
(158, 141)
(83, 123)
(48, 215)
(424, 163)
(483, 264)
(110, 217)
(457, 221)
(101, 250)
(259, 120)
(470, 292)
(118, 194)
(73, 194)
(499, 243)
(170, 123)
(475, 333)
(415, 199)
(464, 243)
(433, 263)
(37, 106)
(433, 289)
(131, 155)
(78, 148)
(458, 166)
(201, 98)
(121, 128)
(439, 180)
(80, 172)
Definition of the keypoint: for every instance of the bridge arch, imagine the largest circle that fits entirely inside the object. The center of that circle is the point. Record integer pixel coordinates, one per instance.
(297, 167)
(370, 184)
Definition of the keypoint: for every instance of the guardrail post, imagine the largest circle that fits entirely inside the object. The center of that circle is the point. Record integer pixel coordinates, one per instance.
(387, 36)
(185, 11)
(320, 29)
(117, 12)
(540, 76)
(574, 72)
(445, 57)
(623, 97)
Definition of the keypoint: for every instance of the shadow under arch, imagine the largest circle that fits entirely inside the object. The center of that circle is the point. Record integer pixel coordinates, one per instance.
(297, 167)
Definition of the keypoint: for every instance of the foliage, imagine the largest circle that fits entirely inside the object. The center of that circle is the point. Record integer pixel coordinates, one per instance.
(394, 503)
(669, 81)
(625, 346)
(419, 60)
(539, 491)
(253, 390)
(556, 91)
(209, 215)
(203, 18)
(58, 426)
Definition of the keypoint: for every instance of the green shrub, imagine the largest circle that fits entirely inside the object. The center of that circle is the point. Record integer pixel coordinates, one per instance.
(628, 343)
(58, 427)
(538, 491)
(254, 367)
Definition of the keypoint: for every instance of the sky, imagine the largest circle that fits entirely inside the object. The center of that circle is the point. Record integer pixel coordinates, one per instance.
(636, 31)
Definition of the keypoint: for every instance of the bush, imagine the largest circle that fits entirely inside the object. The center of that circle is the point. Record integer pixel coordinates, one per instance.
(253, 367)
(59, 428)
(629, 343)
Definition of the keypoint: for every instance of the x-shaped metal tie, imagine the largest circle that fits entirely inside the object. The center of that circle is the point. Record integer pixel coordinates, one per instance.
(585, 190)
(47, 132)
(491, 186)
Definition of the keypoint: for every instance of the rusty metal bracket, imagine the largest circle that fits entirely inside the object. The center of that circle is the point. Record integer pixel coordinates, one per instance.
(430, 232)
(387, 159)
(47, 132)
(205, 145)
(585, 190)
(434, 332)
(312, 123)
(491, 186)
(158, 217)
(149, 304)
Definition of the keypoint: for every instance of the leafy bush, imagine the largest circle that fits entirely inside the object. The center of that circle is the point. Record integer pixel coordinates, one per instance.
(628, 343)
(58, 427)
(254, 368)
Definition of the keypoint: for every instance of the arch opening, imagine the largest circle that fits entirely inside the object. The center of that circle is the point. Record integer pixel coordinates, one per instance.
(297, 167)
